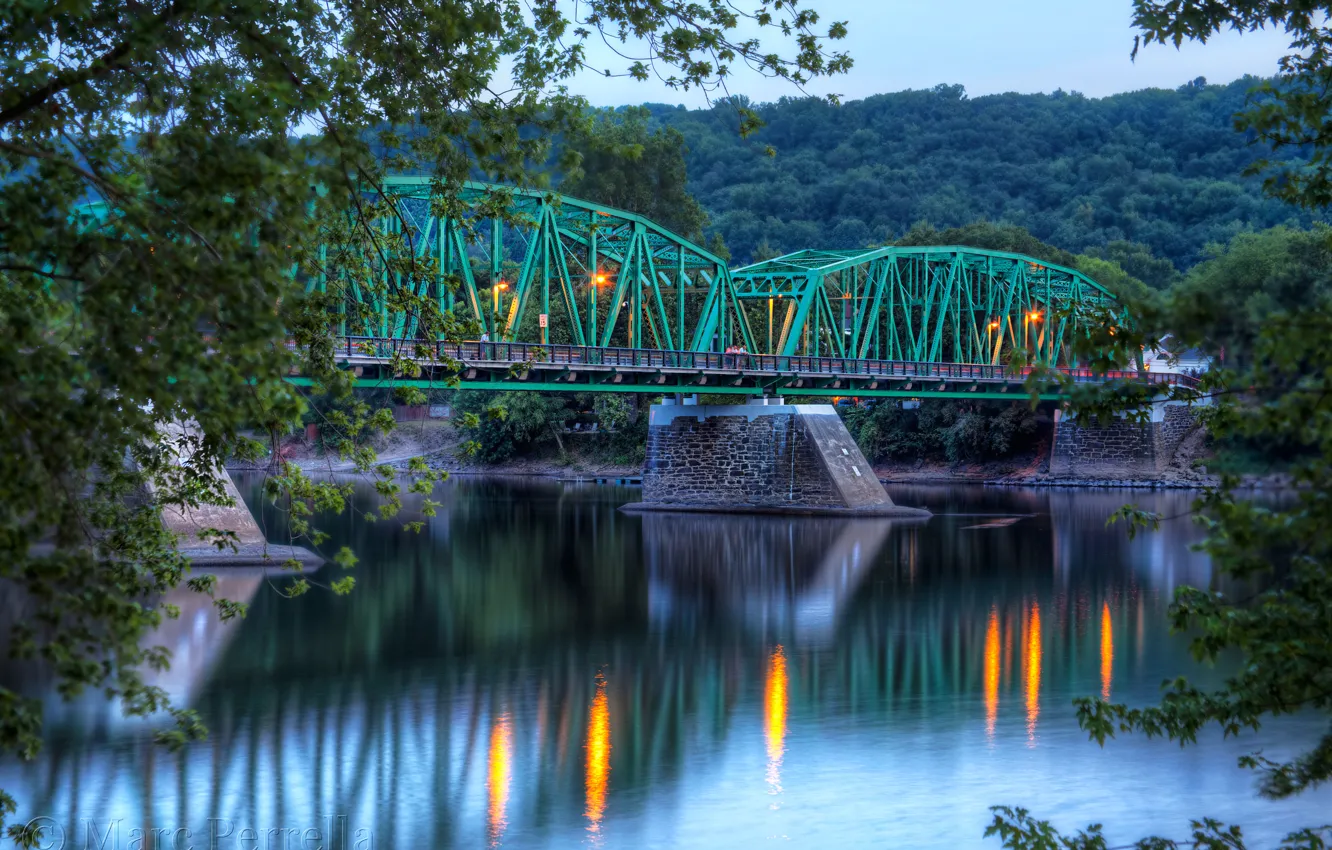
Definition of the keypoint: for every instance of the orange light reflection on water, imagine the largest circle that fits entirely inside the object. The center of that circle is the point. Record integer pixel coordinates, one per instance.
(1006, 663)
(774, 713)
(598, 757)
(992, 673)
(1033, 670)
(1107, 652)
(499, 772)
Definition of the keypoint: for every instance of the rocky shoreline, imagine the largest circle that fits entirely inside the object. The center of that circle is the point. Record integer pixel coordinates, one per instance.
(589, 472)
(1197, 481)
(1105, 483)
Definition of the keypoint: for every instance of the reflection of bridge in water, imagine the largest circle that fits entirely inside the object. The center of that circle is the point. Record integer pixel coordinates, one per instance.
(778, 576)
(431, 737)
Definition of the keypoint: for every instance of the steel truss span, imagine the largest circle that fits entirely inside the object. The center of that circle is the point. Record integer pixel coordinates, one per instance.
(553, 367)
(924, 304)
(556, 269)
(534, 266)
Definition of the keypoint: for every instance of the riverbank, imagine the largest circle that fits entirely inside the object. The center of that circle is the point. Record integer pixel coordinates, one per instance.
(979, 475)
(1028, 472)
(1033, 471)
(1175, 477)
(440, 444)
(585, 471)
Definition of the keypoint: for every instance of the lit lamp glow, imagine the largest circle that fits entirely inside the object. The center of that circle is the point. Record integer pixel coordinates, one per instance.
(1033, 670)
(992, 673)
(495, 303)
(500, 770)
(774, 715)
(598, 758)
(1107, 651)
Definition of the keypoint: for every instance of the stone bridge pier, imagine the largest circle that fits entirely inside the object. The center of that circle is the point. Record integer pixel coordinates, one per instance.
(762, 457)
(1088, 449)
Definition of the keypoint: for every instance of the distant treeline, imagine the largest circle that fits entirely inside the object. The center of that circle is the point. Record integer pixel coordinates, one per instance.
(1139, 177)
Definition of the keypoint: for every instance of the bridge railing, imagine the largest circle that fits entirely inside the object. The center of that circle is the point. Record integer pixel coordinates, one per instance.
(512, 353)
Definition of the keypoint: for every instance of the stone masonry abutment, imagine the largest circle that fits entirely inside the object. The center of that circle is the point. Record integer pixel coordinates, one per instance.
(764, 456)
(1088, 448)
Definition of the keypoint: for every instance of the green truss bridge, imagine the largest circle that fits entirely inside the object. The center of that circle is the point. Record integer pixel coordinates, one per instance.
(576, 295)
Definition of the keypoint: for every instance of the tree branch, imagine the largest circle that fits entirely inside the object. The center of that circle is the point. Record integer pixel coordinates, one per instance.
(103, 64)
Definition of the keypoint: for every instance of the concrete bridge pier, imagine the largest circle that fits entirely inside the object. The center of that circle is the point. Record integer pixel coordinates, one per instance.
(1089, 449)
(762, 457)
(190, 525)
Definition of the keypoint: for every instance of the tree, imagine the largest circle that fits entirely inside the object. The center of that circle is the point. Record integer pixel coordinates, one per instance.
(613, 410)
(991, 237)
(173, 297)
(1138, 260)
(625, 164)
(501, 425)
(1293, 112)
(1112, 276)
(942, 430)
(1146, 178)
(1280, 392)
(764, 251)
(1019, 240)
(1258, 275)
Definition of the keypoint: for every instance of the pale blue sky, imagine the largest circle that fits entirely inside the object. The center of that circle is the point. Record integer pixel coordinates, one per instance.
(987, 46)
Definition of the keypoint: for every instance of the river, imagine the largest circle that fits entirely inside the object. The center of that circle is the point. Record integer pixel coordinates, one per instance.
(535, 669)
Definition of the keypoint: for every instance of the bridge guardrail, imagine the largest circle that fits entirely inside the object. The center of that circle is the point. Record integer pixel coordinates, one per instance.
(587, 355)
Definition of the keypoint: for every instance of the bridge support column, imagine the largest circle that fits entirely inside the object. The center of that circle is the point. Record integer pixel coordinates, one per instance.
(760, 457)
(1092, 449)
(191, 525)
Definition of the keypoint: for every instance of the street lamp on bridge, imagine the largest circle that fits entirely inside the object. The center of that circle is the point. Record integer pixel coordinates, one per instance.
(495, 305)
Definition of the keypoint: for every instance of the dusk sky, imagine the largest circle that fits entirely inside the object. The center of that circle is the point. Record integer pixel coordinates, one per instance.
(988, 47)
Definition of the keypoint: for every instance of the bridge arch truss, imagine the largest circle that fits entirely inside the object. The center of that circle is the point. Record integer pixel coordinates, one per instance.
(922, 304)
(599, 276)
(553, 269)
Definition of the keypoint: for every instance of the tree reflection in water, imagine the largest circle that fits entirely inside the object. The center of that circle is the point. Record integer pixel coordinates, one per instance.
(488, 678)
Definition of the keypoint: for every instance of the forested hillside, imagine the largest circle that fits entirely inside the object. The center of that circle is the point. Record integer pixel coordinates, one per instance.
(1153, 168)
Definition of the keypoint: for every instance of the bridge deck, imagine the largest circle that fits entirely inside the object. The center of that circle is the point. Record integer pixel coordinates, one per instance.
(554, 367)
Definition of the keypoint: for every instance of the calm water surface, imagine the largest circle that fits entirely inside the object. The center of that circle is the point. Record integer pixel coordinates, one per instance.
(536, 669)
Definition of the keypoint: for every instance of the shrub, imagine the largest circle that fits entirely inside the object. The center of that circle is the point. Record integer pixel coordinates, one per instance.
(942, 430)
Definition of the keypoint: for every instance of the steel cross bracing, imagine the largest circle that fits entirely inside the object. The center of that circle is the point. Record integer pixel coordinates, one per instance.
(605, 277)
(923, 304)
(561, 270)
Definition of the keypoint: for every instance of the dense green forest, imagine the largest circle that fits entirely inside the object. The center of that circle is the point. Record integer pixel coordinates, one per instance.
(1139, 177)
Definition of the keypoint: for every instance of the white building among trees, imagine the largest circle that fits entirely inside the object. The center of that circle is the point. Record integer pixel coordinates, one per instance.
(1173, 358)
